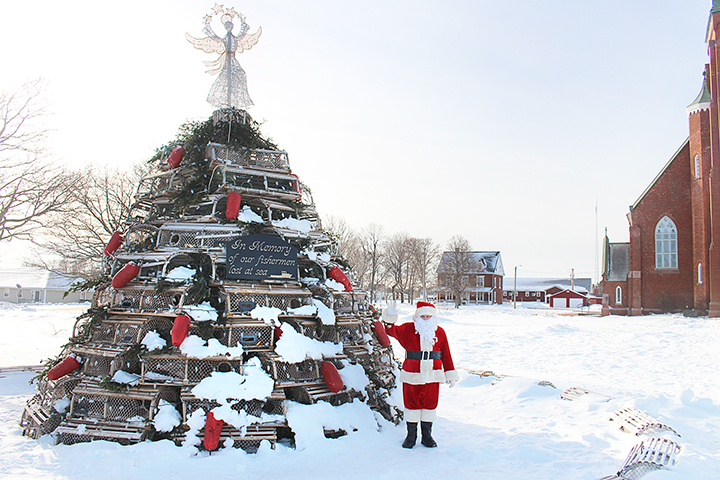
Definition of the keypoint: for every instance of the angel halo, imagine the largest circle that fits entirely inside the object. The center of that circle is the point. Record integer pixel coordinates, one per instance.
(230, 87)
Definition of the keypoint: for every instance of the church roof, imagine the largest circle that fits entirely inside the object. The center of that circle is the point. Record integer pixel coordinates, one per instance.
(657, 177)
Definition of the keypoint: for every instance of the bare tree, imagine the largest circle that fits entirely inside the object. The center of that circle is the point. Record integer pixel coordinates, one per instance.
(100, 205)
(372, 239)
(455, 266)
(349, 246)
(31, 188)
(396, 259)
(428, 253)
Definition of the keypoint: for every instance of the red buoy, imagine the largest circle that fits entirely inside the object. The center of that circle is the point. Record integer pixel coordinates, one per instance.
(233, 206)
(381, 334)
(336, 274)
(113, 244)
(175, 157)
(70, 364)
(213, 429)
(127, 273)
(296, 183)
(180, 329)
(331, 376)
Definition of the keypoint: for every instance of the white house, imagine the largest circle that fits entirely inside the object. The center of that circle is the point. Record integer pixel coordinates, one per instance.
(38, 285)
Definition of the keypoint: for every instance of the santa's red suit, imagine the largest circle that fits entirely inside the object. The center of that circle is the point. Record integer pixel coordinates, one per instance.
(427, 364)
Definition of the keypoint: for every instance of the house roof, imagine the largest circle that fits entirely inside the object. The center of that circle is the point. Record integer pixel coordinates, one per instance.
(35, 278)
(582, 285)
(481, 262)
(568, 293)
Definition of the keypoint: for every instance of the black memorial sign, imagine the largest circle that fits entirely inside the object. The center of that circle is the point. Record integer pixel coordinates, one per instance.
(261, 257)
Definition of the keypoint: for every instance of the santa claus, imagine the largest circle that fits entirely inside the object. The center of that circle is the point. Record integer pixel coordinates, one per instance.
(427, 364)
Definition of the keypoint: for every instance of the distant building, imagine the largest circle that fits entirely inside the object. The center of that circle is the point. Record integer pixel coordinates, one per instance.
(483, 281)
(672, 262)
(567, 299)
(538, 289)
(37, 285)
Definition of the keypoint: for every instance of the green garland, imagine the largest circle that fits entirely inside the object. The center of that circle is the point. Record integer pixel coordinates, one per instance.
(195, 136)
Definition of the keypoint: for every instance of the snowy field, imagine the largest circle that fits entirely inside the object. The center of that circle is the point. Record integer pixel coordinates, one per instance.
(510, 425)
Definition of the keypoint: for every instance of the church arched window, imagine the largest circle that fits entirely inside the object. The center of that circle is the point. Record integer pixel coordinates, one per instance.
(666, 244)
(699, 274)
(618, 295)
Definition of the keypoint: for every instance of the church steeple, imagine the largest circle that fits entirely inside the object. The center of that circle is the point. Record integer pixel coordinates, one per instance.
(703, 100)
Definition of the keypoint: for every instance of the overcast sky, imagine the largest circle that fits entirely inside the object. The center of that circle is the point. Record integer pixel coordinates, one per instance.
(505, 121)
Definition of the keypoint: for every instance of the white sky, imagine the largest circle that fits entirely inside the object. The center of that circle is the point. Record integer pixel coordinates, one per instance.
(503, 121)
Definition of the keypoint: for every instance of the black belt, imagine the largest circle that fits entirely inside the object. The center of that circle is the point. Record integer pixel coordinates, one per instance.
(413, 355)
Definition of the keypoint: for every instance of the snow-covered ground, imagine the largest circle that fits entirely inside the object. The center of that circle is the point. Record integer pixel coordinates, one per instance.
(510, 425)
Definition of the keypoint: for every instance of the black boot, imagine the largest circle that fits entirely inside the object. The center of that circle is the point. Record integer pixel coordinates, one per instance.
(411, 436)
(427, 440)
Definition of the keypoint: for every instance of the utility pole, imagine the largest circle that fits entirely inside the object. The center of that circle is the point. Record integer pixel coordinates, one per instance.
(572, 279)
(515, 286)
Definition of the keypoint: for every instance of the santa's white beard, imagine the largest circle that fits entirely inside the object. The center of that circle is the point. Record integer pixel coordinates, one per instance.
(426, 329)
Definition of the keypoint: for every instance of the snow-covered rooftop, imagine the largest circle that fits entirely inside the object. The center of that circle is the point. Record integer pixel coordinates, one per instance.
(542, 284)
(38, 278)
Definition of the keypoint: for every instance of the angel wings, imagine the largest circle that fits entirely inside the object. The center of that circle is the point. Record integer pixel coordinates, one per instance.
(230, 87)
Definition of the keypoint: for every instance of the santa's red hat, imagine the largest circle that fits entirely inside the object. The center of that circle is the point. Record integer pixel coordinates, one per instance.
(425, 308)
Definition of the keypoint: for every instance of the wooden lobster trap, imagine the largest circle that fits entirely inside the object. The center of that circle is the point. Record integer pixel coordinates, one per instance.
(185, 370)
(252, 334)
(40, 416)
(100, 360)
(243, 299)
(131, 328)
(100, 414)
(248, 437)
(312, 327)
(350, 302)
(288, 374)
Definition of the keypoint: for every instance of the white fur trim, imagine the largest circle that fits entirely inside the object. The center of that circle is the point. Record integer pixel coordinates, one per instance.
(452, 375)
(428, 415)
(421, 378)
(413, 416)
(425, 311)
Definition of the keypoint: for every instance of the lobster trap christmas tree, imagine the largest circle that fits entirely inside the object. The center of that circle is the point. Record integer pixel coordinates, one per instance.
(223, 303)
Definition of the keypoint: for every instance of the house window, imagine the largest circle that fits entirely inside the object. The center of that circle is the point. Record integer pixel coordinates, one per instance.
(480, 281)
(697, 166)
(665, 244)
(6, 293)
(36, 295)
(618, 295)
(700, 281)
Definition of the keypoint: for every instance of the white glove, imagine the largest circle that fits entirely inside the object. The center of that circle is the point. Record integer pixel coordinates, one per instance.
(390, 313)
(451, 383)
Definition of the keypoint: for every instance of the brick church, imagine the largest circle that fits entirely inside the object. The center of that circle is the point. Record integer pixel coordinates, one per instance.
(672, 262)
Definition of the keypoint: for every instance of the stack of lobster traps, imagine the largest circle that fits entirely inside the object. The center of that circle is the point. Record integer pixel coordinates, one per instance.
(109, 384)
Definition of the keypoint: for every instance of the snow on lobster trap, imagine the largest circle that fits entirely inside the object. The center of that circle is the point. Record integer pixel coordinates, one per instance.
(222, 301)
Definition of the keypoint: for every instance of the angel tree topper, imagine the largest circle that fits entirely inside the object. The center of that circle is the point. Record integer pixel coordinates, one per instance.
(230, 87)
